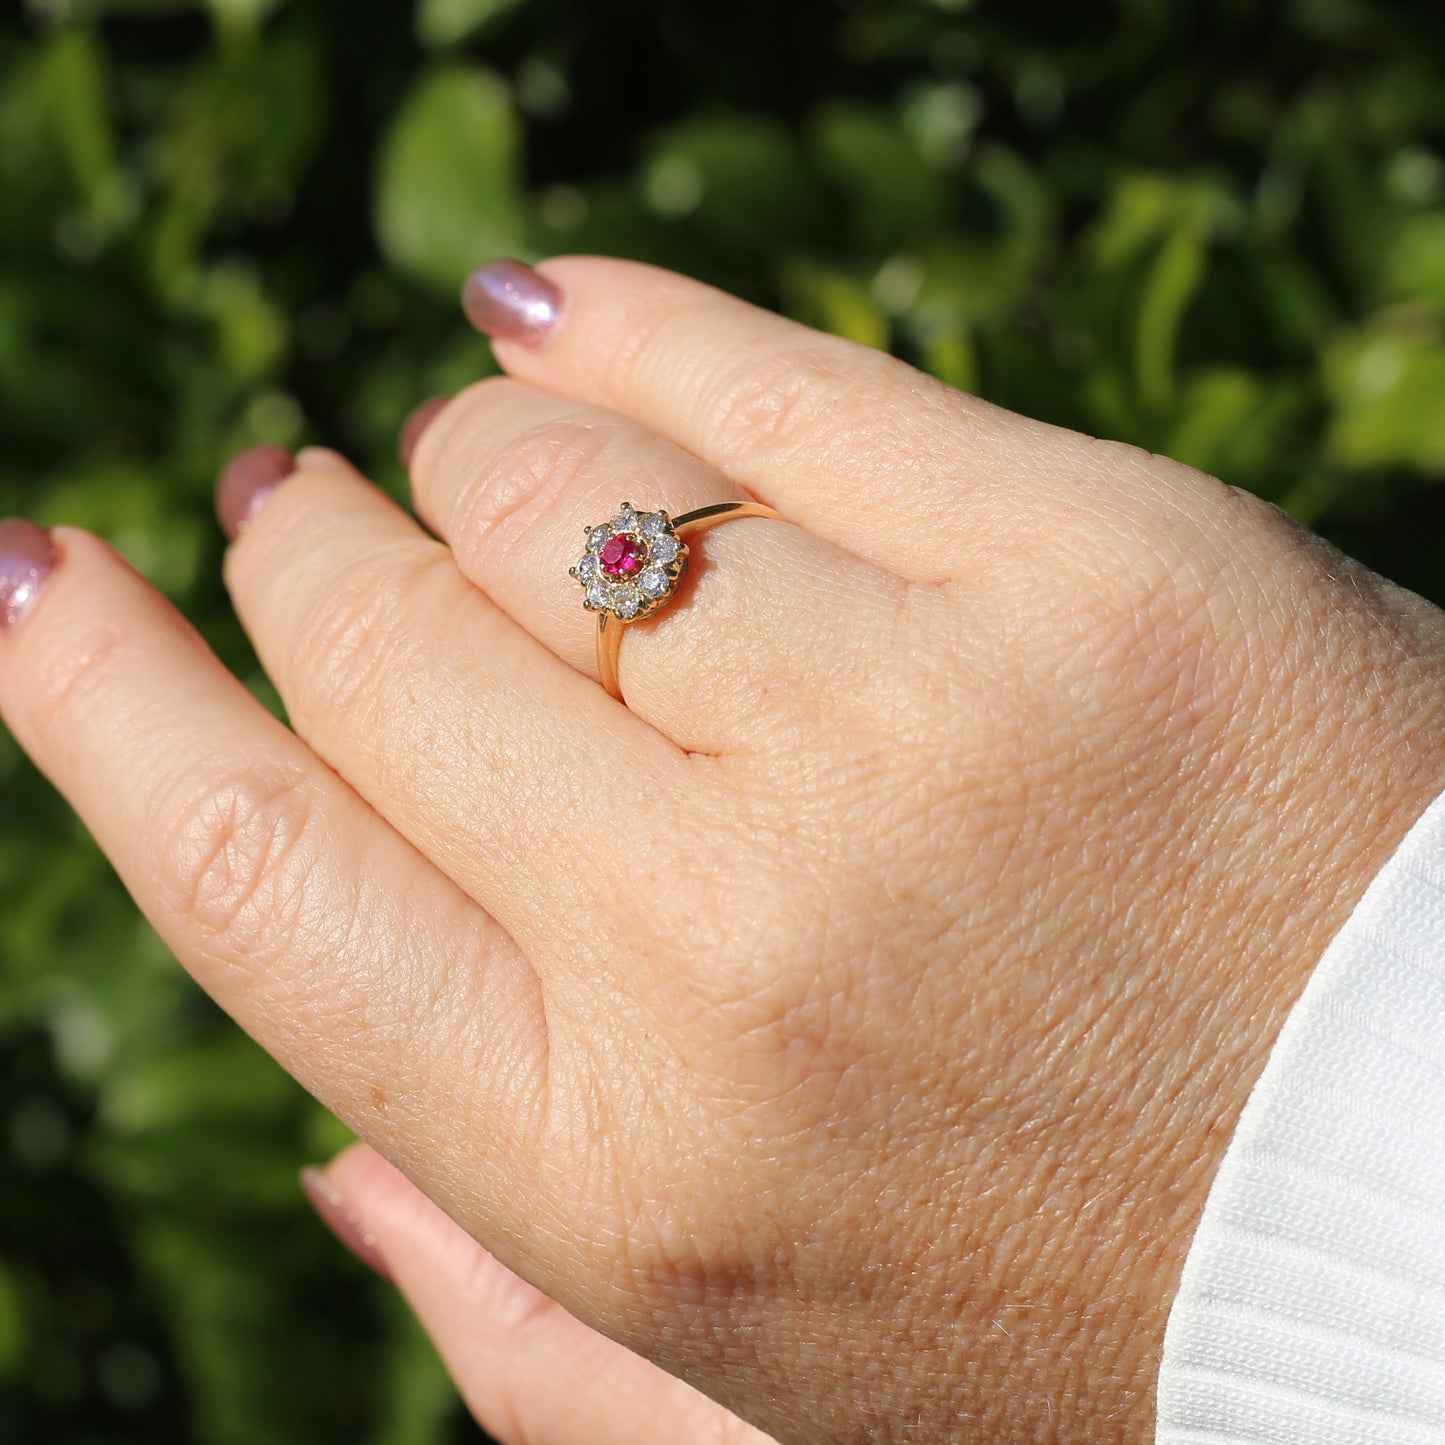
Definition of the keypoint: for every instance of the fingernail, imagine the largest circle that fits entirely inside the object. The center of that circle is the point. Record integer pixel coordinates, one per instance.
(511, 301)
(416, 424)
(27, 558)
(248, 479)
(326, 1200)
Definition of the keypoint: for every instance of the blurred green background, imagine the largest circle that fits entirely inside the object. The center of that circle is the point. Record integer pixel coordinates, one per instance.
(1215, 229)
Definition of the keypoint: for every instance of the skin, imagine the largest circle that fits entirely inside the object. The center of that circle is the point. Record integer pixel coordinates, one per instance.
(851, 1024)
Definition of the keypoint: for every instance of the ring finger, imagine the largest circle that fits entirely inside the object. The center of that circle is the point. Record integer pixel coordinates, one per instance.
(474, 742)
(509, 476)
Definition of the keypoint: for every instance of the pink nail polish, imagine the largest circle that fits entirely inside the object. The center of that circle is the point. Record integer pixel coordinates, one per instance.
(417, 423)
(27, 558)
(248, 479)
(326, 1200)
(511, 301)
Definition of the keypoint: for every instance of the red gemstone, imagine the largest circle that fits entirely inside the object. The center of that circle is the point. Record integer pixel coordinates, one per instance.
(621, 556)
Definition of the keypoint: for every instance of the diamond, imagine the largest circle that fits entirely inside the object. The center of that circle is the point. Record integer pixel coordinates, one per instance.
(586, 570)
(654, 524)
(598, 596)
(626, 602)
(625, 520)
(663, 550)
(596, 536)
(653, 582)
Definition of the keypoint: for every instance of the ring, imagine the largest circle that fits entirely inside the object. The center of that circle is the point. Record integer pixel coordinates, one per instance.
(634, 564)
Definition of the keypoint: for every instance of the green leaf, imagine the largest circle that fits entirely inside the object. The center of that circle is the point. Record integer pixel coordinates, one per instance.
(891, 190)
(241, 17)
(448, 190)
(1236, 424)
(1386, 383)
(77, 84)
(440, 23)
(831, 300)
(739, 179)
(1171, 281)
(219, 1080)
(1416, 265)
(12, 1325)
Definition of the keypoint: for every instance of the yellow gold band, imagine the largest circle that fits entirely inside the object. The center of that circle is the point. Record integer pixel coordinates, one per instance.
(610, 627)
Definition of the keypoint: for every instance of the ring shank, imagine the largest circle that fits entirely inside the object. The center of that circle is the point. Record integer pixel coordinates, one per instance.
(690, 524)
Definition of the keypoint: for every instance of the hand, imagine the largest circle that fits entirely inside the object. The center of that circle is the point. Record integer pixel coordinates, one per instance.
(851, 1023)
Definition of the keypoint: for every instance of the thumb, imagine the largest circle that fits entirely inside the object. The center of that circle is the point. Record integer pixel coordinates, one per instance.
(529, 1372)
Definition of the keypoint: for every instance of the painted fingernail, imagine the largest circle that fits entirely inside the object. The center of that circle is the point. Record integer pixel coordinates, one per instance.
(511, 301)
(27, 558)
(326, 1200)
(416, 424)
(248, 479)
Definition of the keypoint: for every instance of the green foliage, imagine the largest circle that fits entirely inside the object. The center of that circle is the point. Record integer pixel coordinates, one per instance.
(1215, 228)
(449, 183)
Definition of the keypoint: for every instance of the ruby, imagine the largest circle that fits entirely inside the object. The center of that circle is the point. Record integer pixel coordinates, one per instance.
(621, 556)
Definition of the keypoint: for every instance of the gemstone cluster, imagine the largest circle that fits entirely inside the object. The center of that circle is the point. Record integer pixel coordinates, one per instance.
(632, 564)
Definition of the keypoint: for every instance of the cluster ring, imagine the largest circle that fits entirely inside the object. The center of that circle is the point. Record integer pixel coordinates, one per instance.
(634, 564)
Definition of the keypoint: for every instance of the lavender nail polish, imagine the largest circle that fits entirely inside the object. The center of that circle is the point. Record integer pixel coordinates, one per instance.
(27, 558)
(416, 424)
(248, 479)
(326, 1200)
(511, 301)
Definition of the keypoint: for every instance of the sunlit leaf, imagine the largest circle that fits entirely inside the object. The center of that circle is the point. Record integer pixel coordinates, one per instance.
(833, 301)
(440, 23)
(1386, 383)
(1170, 283)
(242, 15)
(1237, 425)
(448, 191)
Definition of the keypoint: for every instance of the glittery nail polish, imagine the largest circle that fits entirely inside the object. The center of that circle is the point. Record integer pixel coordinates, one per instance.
(245, 483)
(27, 558)
(512, 302)
(416, 424)
(326, 1200)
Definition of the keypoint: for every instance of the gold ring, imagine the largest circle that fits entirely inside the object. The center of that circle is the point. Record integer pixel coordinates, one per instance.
(634, 564)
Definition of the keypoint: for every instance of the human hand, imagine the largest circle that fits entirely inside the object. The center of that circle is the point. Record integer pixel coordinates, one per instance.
(851, 1023)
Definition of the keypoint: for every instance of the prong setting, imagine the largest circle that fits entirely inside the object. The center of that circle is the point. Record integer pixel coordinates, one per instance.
(632, 565)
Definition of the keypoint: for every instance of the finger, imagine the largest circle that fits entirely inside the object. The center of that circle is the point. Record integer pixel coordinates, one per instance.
(272, 882)
(529, 1372)
(851, 443)
(481, 747)
(510, 476)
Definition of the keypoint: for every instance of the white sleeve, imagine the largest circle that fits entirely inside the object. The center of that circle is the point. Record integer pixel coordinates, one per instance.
(1312, 1304)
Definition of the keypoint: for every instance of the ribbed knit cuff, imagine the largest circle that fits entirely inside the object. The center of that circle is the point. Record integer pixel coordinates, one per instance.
(1312, 1303)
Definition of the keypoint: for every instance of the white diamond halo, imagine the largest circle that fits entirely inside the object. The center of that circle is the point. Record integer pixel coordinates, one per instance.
(632, 566)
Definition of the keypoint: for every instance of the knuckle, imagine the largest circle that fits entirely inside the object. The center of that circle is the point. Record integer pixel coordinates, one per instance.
(237, 858)
(69, 677)
(531, 470)
(659, 324)
(772, 402)
(352, 635)
(771, 407)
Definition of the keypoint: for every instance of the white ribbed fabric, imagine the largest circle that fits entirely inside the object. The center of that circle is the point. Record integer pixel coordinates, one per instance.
(1312, 1304)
